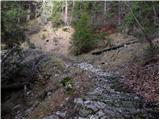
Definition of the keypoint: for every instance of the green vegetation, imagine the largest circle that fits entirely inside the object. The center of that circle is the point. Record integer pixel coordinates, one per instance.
(83, 40)
(56, 14)
(12, 22)
(144, 16)
(67, 83)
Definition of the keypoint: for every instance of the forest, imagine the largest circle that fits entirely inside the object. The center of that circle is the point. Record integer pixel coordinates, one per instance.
(77, 59)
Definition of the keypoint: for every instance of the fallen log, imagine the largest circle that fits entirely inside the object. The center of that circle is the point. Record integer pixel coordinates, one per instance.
(15, 86)
(114, 47)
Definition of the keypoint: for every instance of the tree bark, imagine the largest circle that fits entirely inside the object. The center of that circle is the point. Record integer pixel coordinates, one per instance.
(113, 48)
(28, 13)
(119, 13)
(66, 13)
(105, 4)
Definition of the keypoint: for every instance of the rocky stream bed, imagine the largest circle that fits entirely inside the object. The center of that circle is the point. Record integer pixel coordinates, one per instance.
(107, 99)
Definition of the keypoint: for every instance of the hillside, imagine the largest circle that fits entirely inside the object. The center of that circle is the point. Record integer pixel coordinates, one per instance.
(60, 73)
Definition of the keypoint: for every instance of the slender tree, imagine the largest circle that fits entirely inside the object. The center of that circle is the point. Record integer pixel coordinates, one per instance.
(66, 13)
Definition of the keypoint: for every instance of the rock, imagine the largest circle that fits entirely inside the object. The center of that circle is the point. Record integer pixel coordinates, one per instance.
(93, 117)
(61, 114)
(29, 92)
(100, 113)
(136, 98)
(29, 110)
(67, 98)
(128, 104)
(85, 112)
(87, 102)
(110, 112)
(78, 101)
(92, 107)
(101, 105)
(91, 68)
(49, 93)
(98, 90)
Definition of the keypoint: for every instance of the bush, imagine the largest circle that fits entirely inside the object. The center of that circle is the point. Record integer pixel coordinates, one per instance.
(12, 24)
(56, 14)
(83, 40)
(145, 14)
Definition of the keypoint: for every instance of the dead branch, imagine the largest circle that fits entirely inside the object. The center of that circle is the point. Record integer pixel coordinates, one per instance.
(14, 86)
(114, 48)
(8, 53)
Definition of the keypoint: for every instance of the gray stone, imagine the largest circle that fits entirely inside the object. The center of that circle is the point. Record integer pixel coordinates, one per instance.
(49, 93)
(85, 112)
(93, 117)
(100, 113)
(136, 98)
(92, 107)
(87, 102)
(101, 105)
(61, 114)
(67, 98)
(98, 90)
(78, 101)
(109, 111)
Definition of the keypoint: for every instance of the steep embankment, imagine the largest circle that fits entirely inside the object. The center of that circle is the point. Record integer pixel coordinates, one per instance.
(66, 86)
(48, 39)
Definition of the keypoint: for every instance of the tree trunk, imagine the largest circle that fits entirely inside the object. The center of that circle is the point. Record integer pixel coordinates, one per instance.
(141, 28)
(155, 14)
(14, 86)
(105, 4)
(119, 13)
(66, 13)
(114, 48)
(28, 13)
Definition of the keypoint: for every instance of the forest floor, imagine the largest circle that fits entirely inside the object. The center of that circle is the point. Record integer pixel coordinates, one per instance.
(84, 86)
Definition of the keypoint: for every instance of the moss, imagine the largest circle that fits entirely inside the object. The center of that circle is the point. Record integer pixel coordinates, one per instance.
(67, 83)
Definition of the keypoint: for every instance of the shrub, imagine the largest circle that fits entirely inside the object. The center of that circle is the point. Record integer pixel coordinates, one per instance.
(67, 83)
(12, 24)
(83, 40)
(56, 14)
(145, 14)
